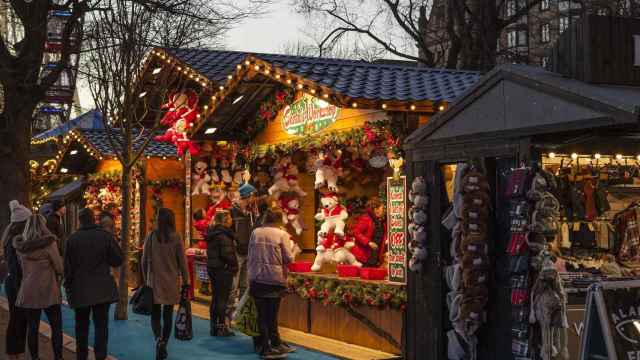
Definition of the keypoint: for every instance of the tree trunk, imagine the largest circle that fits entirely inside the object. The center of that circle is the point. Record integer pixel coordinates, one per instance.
(15, 153)
(121, 312)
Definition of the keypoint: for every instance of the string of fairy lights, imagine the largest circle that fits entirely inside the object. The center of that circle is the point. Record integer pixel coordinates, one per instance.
(258, 66)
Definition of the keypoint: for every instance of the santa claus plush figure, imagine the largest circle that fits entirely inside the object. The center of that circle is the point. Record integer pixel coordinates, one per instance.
(219, 201)
(290, 206)
(182, 113)
(332, 215)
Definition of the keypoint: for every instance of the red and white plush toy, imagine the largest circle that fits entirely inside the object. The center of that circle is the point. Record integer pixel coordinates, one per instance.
(285, 176)
(201, 181)
(332, 215)
(327, 171)
(291, 212)
(219, 201)
(292, 180)
(182, 113)
(332, 248)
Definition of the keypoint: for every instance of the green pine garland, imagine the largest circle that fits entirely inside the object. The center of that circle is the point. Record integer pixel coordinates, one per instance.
(348, 292)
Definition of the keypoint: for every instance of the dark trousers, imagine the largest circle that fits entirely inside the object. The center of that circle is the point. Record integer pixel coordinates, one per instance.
(222, 281)
(268, 308)
(54, 315)
(166, 313)
(101, 334)
(16, 337)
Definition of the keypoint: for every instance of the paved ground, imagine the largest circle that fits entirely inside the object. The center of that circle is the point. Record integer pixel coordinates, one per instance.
(45, 345)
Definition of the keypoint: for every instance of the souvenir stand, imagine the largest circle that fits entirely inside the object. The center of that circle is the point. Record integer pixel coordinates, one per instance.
(558, 159)
(317, 138)
(85, 157)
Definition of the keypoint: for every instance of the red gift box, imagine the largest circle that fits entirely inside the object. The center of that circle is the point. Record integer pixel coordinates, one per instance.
(348, 271)
(300, 267)
(373, 273)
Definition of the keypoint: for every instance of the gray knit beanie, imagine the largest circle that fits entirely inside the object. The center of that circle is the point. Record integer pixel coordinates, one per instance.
(19, 212)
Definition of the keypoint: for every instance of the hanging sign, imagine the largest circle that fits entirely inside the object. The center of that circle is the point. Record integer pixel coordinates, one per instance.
(612, 321)
(308, 115)
(397, 229)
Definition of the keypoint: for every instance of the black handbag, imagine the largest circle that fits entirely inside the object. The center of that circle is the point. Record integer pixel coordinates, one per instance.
(142, 299)
(184, 322)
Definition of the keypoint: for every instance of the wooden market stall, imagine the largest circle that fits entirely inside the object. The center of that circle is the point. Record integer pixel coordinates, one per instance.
(307, 132)
(520, 120)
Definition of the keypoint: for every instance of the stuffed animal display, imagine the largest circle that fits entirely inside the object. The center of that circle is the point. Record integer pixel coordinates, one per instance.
(332, 248)
(417, 223)
(468, 276)
(201, 180)
(327, 171)
(182, 113)
(333, 215)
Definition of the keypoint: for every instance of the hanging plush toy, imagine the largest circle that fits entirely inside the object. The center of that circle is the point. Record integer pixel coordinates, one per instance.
(333, 215)
(291, 212)
(326, 172)
(225, 172)
(201, 181)
(549, 310)
(292, 180)
(213, 171)
(219, 201)
(182, 113)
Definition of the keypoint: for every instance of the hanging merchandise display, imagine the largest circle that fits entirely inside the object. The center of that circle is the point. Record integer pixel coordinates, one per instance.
(418, 221)
(182, 113)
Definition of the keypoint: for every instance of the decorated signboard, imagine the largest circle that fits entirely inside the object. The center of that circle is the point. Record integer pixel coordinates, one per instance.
(308, 115)
(397, 228)
(612, 323)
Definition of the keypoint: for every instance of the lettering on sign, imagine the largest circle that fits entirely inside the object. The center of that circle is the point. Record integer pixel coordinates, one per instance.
(397, 229)
(308, 115)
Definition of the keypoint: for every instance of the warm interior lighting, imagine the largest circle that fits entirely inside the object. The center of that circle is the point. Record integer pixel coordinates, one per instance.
(237, 99)
(64, 170)
(156, 71)
(574, 156)
(73, 152)
(618, 156)
(210, 131)
(597, 156)
(142, 94)
(552, 155)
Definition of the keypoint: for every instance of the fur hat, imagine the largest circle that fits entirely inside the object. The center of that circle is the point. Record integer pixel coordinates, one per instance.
(474, 181)
(474, 244)
(474, 261)
(473, 308)
(19, 213)
(473, 277)
(476, 200)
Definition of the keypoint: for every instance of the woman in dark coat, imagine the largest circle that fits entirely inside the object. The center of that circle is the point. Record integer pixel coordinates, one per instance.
(16, 335)
(163, 265)
(90, 254)
(222, 266)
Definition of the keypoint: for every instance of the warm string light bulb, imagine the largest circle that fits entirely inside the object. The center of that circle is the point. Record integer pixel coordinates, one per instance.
(552, 155)
(574, 156)
(618, 156)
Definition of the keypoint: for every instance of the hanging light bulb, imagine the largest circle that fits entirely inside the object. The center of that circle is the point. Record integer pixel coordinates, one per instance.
(574, 156)
(597, 156)
(618, 156)
(552, 155)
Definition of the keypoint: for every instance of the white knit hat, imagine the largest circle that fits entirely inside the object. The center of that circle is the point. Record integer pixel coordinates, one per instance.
(19, 212)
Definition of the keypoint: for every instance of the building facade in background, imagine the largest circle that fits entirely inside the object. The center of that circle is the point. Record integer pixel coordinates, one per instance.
(528, 39)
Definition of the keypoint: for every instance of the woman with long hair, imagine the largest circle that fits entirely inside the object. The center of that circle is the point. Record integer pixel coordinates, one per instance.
(42, 270)
(163, 265)
(269, 255)
(16, 335)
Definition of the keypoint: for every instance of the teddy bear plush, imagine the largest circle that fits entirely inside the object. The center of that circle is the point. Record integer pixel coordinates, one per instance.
(332, 215)
(342, 252)
(326, 172)
(292, 180)
(332, 248)
(213, 171)
(290, 206)
(201, 181)
(225, 172)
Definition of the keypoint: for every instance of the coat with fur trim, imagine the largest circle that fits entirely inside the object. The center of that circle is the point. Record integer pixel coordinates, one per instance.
(41, 268)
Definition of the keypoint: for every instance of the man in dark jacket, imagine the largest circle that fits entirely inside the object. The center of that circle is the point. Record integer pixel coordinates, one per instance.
(89, 256)
(244, 214)
(222, 266)
(55, 222)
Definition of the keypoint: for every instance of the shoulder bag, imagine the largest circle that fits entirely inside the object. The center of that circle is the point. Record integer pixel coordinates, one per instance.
(142, 299)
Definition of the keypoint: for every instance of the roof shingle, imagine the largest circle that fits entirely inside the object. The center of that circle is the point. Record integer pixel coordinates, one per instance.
(352, 78)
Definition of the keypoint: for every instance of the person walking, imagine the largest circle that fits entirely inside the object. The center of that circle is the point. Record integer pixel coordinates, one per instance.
(42, 269)
(108, 218)
(90, 253)
(244, 213)
(163, 264)
(267, 262)
(16, 335)
(55, 219)
(222, 266)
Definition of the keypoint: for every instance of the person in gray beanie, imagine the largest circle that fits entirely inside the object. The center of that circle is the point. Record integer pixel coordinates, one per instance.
(16, 334)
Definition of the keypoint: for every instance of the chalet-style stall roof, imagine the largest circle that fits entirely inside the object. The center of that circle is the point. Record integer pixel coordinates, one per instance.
(516, 102)
(83, 142)
(236, 84)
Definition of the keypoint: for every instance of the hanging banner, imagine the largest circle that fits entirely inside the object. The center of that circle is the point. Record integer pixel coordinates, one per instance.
(612, 321)
(397, 229)
(308, 115)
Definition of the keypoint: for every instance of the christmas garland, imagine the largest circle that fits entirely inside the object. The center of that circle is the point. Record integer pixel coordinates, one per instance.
(157, 186)
(41, 187)
(348, 293)
(269, 110)
(374, 135)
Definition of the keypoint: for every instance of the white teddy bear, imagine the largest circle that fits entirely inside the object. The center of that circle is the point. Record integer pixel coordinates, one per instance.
(201, 181)
(291, 212)
(334, 249)
(292, 180)
(326, 172)
(333, 215)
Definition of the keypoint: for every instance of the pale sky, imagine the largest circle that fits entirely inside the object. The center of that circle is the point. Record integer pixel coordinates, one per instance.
(269, 33)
